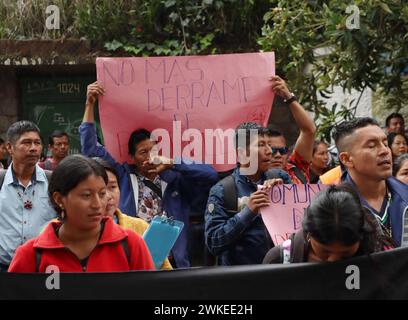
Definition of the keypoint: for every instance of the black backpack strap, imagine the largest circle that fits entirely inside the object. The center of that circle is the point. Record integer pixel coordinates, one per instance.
(297, 252)
(153, 187)
(2, 175)
(125, 247)
(230, 194)
(38, 254)
(281, 253)
(299, 174)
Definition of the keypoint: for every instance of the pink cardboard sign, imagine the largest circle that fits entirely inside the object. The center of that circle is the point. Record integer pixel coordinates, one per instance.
(284, 216)
(201, 92)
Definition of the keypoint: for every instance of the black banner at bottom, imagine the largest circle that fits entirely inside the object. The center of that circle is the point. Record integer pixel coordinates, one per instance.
(378, 276)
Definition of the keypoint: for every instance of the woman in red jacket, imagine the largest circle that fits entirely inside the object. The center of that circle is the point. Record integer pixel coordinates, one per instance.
(83, 239)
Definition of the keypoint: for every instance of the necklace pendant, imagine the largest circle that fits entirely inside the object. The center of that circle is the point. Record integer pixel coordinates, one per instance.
(28, 205)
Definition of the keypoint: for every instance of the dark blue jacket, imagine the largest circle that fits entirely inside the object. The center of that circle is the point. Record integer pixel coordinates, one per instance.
(184, 182)
(237, 238)
(398, 206)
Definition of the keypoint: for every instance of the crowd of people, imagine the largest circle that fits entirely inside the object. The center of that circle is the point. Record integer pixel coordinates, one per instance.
(88, 213)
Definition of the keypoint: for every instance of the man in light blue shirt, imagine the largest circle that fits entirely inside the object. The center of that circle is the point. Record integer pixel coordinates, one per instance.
(24, 202)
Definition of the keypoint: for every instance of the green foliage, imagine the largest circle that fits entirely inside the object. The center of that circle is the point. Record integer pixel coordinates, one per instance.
(135, 27)
(102, 20)
(373, 55)
(175, 27)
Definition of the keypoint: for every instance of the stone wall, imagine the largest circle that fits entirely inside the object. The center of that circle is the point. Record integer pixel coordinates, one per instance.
(46, 52)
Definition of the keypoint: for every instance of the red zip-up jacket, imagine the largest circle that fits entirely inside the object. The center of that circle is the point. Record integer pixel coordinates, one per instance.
(108, 256)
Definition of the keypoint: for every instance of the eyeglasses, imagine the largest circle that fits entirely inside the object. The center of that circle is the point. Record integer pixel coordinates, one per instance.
(282, 151)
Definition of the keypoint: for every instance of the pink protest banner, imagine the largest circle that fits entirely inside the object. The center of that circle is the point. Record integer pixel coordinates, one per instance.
(201, 92)
(284, 216)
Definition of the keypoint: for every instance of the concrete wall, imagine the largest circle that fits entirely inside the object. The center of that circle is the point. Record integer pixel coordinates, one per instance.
(10, 99)
(36, 57)
(372, 104)
(344, 98)
(382, 107)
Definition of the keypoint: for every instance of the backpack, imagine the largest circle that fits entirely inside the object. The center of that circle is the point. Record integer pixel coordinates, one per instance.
(293, 249)
(299, 174)
(230, 194)
(48, 174)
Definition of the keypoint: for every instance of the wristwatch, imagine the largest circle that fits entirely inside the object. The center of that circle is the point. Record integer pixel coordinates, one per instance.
(290, 100)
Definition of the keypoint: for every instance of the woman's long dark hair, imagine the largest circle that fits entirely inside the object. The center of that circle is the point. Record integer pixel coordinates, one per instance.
(336, 215)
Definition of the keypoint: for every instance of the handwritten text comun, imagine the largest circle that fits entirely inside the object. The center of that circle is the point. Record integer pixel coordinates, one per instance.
(285, 214)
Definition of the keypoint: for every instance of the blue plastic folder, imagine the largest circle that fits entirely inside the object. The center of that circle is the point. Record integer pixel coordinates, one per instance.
(161, 236)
